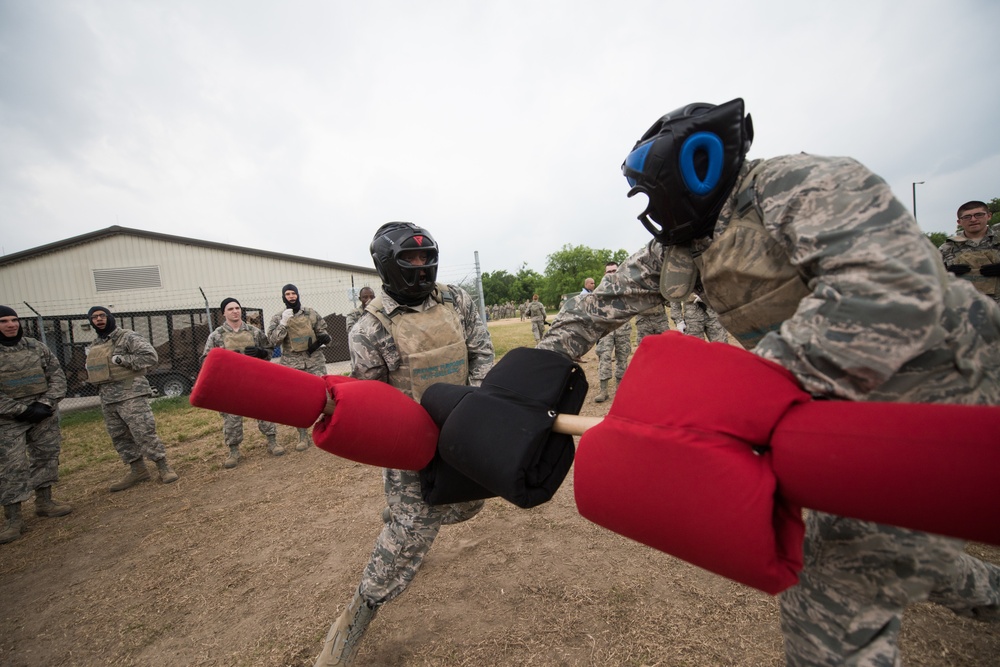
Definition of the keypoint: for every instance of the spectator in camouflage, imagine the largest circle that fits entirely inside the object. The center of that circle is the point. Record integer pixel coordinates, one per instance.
(300, 332)
(31, 385)
(536, 313)
(650, 322)
(812, 263)
(237, 335)
(117, 363)
(617, 345)
(423, 333)
(973, 253)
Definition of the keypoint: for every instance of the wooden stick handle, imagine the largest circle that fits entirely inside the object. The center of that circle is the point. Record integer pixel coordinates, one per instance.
(574, 424)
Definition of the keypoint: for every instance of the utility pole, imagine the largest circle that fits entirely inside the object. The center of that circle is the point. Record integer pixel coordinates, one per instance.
(915, 184)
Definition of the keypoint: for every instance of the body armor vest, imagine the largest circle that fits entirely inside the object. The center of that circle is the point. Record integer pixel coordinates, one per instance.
(748, 278)
(236, 340)
(100, 369)
(431, 344)
(27, 377)
(977, 257)
(300, 332)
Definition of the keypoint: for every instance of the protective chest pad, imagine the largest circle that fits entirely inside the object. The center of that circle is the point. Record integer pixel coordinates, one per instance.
(514, 453)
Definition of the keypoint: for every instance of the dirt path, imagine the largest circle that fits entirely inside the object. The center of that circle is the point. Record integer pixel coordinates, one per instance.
(249, 566)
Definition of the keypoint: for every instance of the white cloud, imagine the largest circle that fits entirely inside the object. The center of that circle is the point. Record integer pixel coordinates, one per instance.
(500, 126)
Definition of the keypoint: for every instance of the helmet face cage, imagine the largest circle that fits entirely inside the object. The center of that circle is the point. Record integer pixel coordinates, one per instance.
(686, 164)
(401, 279)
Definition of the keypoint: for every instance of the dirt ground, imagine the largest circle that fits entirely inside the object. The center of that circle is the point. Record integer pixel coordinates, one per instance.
(250, 566)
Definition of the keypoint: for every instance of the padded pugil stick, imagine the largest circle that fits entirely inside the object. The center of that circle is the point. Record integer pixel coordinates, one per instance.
(357, 430)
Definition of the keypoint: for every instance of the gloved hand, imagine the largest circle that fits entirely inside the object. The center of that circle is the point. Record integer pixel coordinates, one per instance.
(254, 351)
(959, 269)
(35, 413)
(286, 315)
(118, 360)
(990, 270)
(681, 327)
(320, 341)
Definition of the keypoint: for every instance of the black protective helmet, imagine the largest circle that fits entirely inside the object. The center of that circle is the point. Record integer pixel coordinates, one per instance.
(687, 163)
(400, 279)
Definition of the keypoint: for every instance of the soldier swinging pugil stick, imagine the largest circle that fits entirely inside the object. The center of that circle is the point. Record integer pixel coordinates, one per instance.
(876, 461)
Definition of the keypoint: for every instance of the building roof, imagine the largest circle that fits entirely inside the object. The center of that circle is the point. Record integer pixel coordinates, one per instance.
(116, 230)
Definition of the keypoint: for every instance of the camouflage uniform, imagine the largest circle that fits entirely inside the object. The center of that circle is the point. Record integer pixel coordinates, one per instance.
(352, 319)
(701, 320)
(536, 313)
(277, 334)
(406, 538)
(125, 403)
(960, 250)
(617, 343)
(650, 322)
(232, 425)
(874, 318)
(29, 453)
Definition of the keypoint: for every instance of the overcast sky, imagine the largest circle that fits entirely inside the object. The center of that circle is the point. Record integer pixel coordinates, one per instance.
(500, 126)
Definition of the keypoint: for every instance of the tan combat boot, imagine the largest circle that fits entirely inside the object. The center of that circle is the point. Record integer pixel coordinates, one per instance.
(138, 473)
(603, 395)
(167, 474)
(341, 645)
(12, 528)
(273, 448)
(233, 458)
(303, 443)
(46, 506)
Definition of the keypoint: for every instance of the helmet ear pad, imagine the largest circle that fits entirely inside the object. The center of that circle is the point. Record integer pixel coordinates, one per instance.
(686, 164)
(407, 283)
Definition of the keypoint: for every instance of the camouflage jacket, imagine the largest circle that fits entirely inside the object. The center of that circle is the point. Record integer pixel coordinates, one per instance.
(215, 338)
(881, 321)
(353, 317)
(21, 357)
(536, 310)
(277, 333)
(958, 241)
(139, 355)
(374, 352)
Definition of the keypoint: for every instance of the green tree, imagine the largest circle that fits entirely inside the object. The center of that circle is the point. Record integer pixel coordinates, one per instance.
(937, 238)
(502, 286)
(566, 269)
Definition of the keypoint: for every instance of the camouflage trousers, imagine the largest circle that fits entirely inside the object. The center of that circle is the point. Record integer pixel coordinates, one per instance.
(314, 363)
(406, 539)
(232, 428)
(650, 325)
(29, 457)
(700, 319)
(857, 579)
(618, 344)
(132, 428)
(538, 329)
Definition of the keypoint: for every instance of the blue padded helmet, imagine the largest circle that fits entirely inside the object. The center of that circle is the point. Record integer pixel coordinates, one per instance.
(686, 164)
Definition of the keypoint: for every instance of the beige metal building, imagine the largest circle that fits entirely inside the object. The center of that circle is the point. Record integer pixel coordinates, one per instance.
(166, 288)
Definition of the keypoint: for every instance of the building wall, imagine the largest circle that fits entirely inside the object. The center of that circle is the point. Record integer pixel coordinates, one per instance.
(62, 282)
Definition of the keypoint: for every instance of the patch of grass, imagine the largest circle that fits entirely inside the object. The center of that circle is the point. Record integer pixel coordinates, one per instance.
(508, 335)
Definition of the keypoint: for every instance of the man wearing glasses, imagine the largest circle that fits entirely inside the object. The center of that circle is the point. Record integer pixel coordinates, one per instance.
(974, 252)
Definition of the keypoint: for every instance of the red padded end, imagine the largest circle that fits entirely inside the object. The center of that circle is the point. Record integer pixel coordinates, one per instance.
(672, 464)
(926, 467)
(376, 424)
(240, 385)
(704, 498)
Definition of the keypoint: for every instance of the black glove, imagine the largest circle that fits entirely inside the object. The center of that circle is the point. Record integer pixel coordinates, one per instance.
(321, 340)
(35, 413)
(990, 270)
(959, 269)
(254, 351)
(119, 360)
